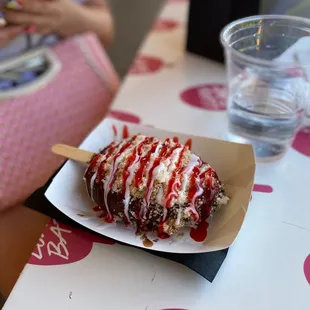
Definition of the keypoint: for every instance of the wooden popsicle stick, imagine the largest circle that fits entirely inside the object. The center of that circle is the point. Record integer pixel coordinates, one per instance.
(72, 153)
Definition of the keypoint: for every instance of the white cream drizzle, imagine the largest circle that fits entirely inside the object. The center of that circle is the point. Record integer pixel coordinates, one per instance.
(107, 181)
(160, 195)
(132, 169)
(182, 195)
(147, 170)
(94, 176)
(173, 159)
(198, 193)
(178, 220)
(92, 182)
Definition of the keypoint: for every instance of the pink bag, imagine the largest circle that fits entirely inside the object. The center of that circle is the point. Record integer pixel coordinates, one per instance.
(61, 106)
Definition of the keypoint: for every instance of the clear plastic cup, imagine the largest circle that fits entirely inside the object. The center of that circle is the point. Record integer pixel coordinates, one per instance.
(268, 64)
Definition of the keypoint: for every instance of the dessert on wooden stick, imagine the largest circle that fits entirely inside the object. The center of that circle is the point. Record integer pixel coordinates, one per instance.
(153, 185)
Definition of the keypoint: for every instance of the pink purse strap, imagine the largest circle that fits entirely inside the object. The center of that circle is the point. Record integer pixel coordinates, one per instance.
(97, 58)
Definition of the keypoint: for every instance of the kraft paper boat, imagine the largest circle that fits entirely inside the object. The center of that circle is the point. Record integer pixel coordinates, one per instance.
(234, 163)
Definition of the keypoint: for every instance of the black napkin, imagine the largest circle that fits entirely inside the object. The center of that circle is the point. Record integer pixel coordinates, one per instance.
(205, 264)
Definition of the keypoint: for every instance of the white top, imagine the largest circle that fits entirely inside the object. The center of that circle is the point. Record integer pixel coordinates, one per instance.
(266, 267)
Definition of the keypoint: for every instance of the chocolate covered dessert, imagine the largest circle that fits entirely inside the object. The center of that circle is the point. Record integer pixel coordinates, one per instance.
(153, 185)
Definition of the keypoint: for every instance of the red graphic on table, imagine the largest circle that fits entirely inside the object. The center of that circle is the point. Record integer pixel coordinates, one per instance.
(147, 64)
(262, 188)
(125, 116)
(301, 142)
(307, 268)
(61, 244)
(164, 24)
(211, 97)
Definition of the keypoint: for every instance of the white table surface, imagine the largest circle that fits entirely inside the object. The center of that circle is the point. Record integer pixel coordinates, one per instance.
(267, 266)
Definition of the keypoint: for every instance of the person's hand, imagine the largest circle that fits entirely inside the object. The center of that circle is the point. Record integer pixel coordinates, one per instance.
(63, 17)
(9, 33)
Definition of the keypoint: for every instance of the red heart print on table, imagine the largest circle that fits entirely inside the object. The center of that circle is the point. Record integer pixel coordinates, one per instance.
(262, 188)
(307, 268)
(125, 116)
(165, 24)
(211, 97)
(61, 244)
(147, 64)
(301, 142)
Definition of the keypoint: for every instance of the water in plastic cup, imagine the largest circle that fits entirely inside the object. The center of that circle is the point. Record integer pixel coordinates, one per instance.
(268, 64)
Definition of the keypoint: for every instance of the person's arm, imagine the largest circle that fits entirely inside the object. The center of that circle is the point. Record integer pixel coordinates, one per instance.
(97, 17)
(65, 18)
(100, 19)
(9, 33)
